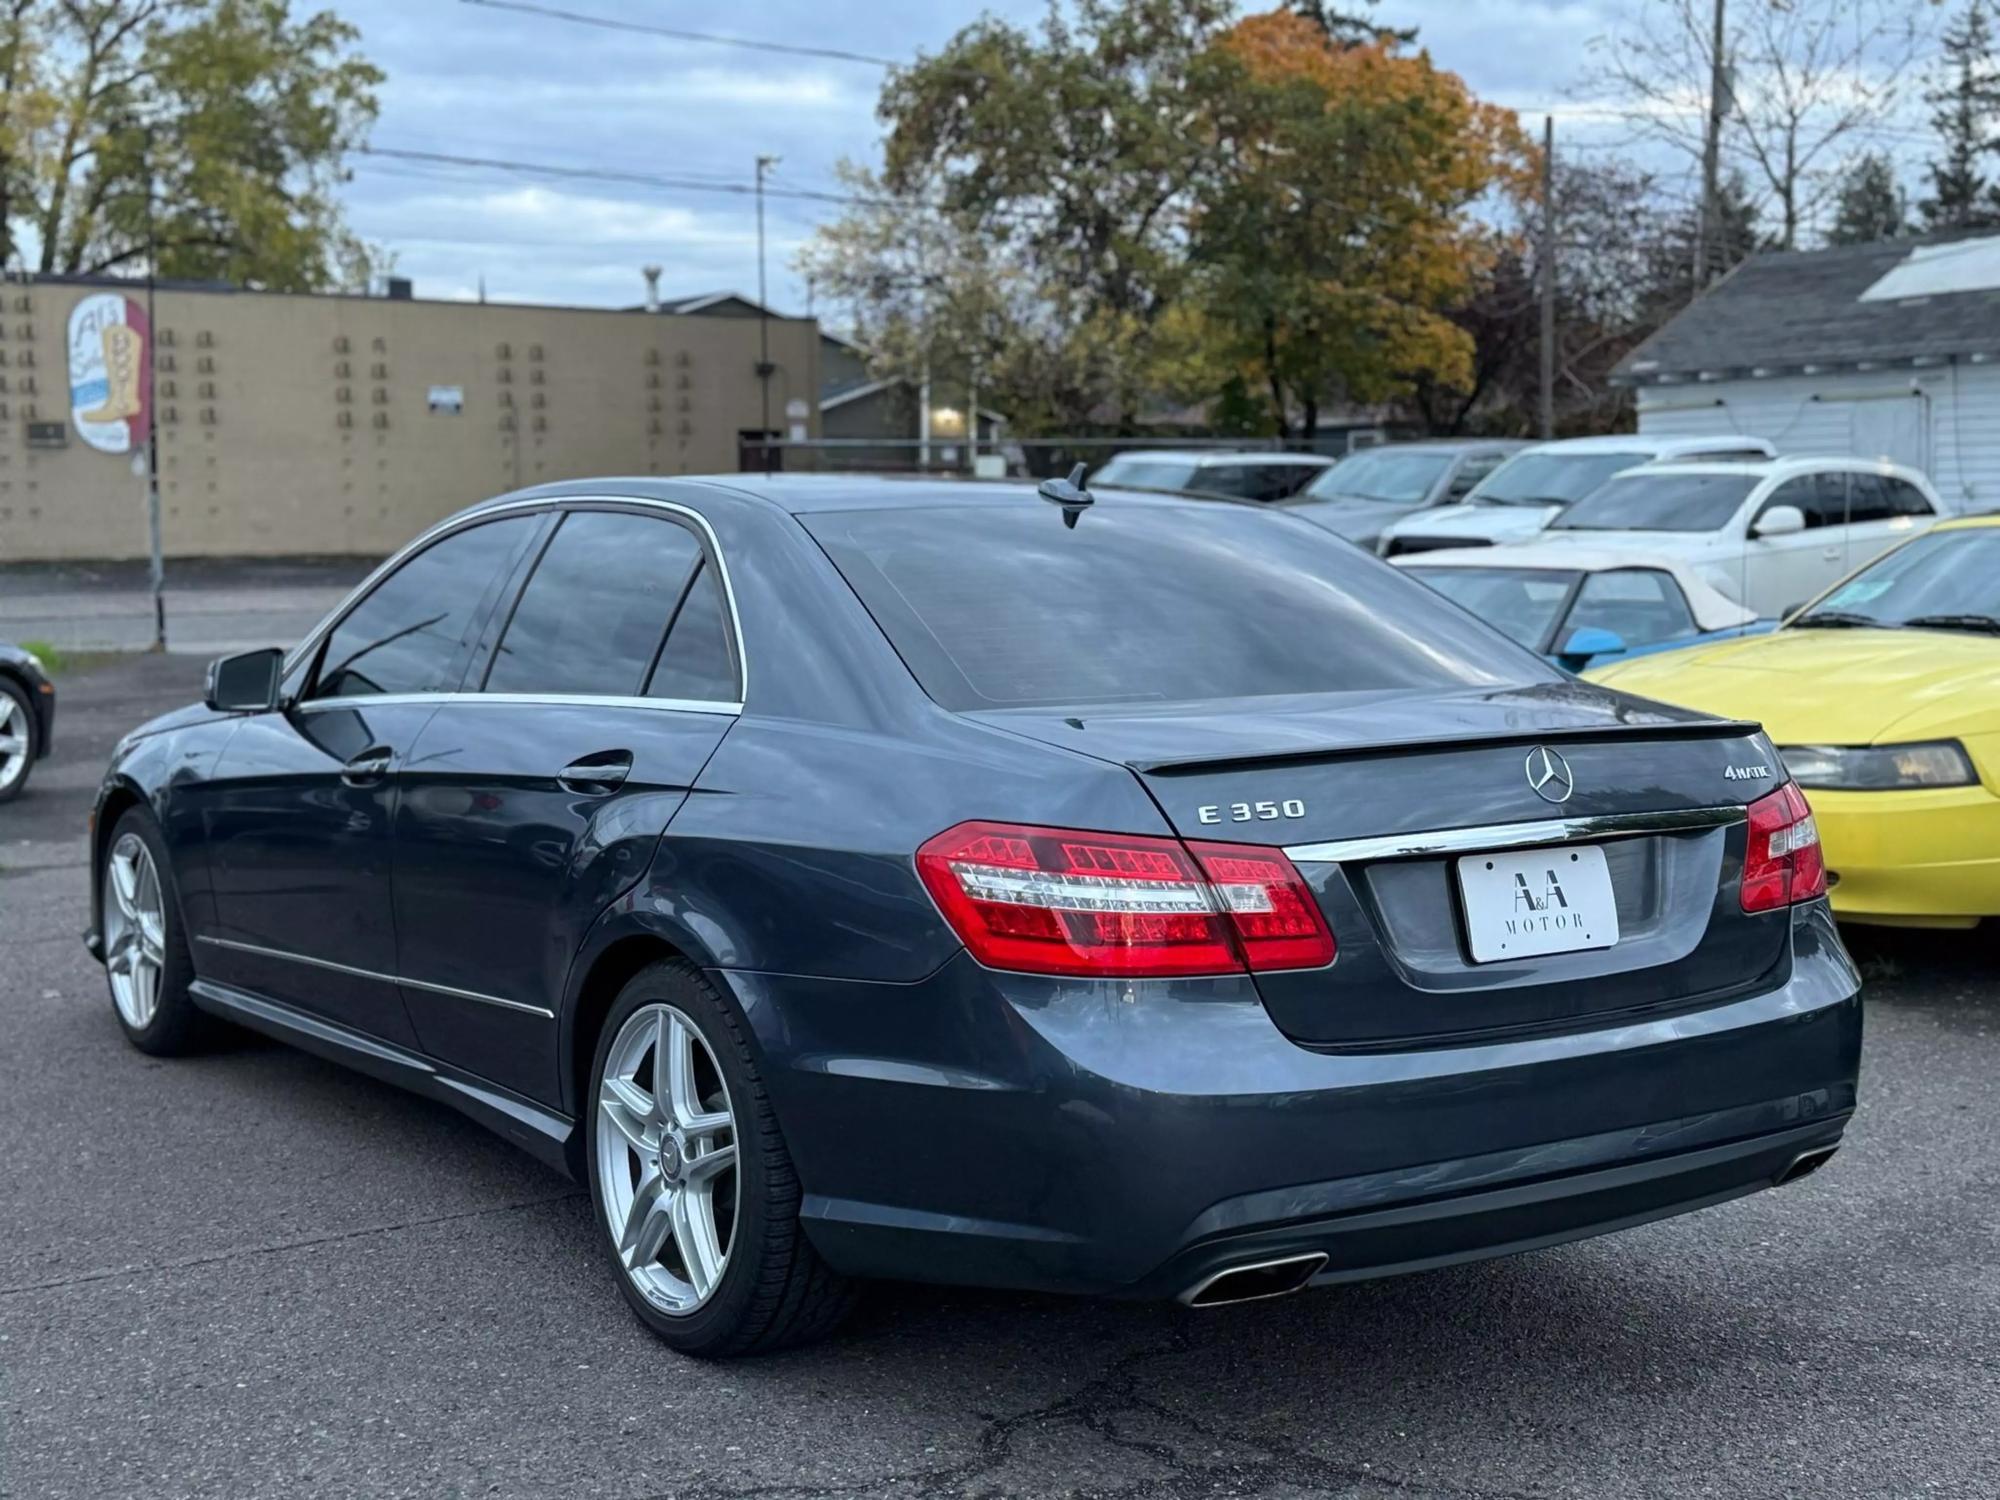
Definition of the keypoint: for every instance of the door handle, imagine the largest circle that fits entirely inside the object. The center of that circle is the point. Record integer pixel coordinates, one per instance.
(595, 775)
(369, 767)
(1831, 554)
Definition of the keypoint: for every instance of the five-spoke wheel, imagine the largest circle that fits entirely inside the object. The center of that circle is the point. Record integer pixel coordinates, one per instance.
(135, 930)
(666, 1158)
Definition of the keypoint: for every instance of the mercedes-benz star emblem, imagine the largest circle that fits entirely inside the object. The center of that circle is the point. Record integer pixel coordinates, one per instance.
(1549, 775)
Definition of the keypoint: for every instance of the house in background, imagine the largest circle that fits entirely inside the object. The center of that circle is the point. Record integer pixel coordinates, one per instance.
(855, 405)
(1889, 350)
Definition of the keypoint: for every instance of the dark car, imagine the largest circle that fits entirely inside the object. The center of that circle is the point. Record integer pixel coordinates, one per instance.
(849, 878)
(27, 717)
(1372, 487)
(1212, 473)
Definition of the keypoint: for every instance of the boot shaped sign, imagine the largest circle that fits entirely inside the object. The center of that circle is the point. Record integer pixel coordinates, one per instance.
(107, 372)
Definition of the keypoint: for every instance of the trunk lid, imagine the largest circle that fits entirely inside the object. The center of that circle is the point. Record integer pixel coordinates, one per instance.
(1374, 780)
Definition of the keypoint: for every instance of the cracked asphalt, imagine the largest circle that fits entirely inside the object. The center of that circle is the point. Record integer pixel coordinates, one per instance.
(252, 1274)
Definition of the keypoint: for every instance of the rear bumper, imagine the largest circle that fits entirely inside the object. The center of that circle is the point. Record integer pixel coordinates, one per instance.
(1133, 1139)
(1911, 857)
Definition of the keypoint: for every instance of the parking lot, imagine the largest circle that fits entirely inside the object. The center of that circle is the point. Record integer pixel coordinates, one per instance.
(256, 1274)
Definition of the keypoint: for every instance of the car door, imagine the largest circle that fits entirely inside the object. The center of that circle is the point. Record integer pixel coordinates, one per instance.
(1780, 571)
(537, 797)
(1883, 511)
(297, 813)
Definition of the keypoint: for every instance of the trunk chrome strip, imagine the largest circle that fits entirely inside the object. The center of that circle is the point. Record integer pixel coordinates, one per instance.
(1513, 835)
(415, 984)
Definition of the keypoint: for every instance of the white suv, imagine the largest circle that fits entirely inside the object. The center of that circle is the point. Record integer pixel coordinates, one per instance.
(1768, 535)
(1530, 490)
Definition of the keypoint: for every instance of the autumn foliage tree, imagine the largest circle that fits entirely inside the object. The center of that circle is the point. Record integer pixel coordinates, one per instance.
(1333, 233)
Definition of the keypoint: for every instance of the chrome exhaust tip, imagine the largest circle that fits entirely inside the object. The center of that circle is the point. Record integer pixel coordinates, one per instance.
(1256, 1282)
(1805, 1164)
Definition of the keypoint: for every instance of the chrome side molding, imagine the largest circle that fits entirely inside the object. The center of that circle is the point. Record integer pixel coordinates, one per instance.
(415, 984)
(1514, 835)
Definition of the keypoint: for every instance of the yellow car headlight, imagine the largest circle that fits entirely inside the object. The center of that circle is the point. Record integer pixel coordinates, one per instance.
(1880, 768)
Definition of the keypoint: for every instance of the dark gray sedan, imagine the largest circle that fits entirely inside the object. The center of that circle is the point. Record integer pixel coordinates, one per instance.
(1365, 491)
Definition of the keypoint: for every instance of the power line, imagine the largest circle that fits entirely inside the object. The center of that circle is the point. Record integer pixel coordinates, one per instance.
(646, 28)
(640, 179)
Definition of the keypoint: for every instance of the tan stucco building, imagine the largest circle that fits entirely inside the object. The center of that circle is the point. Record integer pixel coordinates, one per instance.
(294, 425)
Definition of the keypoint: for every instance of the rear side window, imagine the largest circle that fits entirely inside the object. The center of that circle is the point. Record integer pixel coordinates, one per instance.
(1868, 498)
(696, 663)
(596, 609)
(1001, 606)
(415, 630)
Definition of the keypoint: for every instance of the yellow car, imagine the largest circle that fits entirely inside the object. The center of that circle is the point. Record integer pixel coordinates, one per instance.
(1883, 697)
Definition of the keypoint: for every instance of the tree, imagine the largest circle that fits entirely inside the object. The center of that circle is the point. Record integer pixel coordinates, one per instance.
(1348, 27)
(1870, 204)
(236, 111)
(1074, 153)
(1805, 78)
(1963, 107)
(1334, 234)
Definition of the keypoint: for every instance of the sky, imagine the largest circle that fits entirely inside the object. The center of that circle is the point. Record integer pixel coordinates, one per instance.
(471, 80)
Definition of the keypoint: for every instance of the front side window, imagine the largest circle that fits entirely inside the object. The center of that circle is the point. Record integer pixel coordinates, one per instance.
(1002, 606)
(1661, 500)
(596, 609)
(1642, 606)
(1820, 498)
(416, 628)
(1523, 604)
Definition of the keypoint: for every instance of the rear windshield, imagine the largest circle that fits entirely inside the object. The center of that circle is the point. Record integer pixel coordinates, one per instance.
(1521, 603)
(1552, 478)
(1145, 474)
(1001, 606)
(1382, 474)
(1661, 502)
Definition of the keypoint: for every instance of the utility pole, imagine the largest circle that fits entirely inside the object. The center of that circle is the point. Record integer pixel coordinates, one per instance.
(157, 567)
(764, 366)
(1709, 233)
(1548, 288)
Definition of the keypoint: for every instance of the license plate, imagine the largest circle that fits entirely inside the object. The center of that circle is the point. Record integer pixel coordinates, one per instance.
(1523, 904)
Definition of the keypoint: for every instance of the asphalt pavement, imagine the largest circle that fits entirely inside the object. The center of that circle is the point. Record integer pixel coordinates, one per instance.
(254, 1274)
(211, 605)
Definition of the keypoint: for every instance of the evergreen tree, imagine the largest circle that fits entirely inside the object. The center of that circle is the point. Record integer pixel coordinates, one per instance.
(1871, 205)
(1961, 197)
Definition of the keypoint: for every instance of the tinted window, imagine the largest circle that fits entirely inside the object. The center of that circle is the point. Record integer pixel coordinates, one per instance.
(592, 617)
(1553, 478)
(1661, 501)
(1868, 498)
(1820, 498)
(1145, 474)
(696, 663)
(1385, 474)
(414, 631)
(1642, 605)
(1521, 603)
(1940, 573)
(1001, 605)
(1905, 499)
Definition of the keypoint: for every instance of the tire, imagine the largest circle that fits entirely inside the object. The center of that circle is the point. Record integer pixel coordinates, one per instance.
(17, 722)
(172, 1026)
(770, 1289)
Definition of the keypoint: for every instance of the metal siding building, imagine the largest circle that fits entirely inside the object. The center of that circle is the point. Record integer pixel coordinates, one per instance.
(1889, 350)
(296, 425)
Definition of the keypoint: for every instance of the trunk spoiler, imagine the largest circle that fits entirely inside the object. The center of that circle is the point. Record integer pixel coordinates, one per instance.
(1698, 729)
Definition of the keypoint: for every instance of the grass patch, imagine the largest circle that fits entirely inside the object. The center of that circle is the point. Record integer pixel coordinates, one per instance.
(59, 663)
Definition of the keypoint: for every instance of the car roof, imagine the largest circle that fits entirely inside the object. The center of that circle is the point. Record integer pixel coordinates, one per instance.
(1778, 468)
(805, 494)
(1201, 457)
(1444, 445)
(1658, 447)
(1712, 609)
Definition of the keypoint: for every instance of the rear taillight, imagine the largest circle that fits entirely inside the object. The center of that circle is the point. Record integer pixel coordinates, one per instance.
(1783, 863)
(1060, 901)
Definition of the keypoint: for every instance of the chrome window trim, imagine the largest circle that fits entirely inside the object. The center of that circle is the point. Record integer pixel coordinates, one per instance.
(418, 984)
(587, 700)
(1513, 835)
(451, 524)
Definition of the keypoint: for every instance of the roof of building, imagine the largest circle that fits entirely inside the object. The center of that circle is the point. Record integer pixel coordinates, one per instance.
(1892, 302)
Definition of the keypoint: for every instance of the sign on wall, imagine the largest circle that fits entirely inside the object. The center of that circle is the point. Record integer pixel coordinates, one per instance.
(107, 372)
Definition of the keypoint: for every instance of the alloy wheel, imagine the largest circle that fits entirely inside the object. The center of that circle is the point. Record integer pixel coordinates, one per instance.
(15, 742)
(135, 930)
(666, 1159)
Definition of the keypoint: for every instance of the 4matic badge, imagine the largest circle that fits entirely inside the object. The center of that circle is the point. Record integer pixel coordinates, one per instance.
(1746, 773)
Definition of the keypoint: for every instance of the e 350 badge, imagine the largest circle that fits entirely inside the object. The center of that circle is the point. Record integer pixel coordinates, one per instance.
(1251, 812)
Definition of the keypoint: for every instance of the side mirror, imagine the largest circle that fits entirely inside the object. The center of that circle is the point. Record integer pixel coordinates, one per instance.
(246, 682)
(1585, 644)
(1780, 520)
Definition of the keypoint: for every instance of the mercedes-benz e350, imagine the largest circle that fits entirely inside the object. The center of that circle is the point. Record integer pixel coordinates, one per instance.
(854, 878)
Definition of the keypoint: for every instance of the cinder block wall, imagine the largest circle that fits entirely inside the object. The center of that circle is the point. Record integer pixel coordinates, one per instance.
(293, 425)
